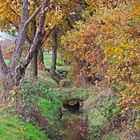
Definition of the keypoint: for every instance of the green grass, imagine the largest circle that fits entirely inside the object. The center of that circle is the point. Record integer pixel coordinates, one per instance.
(50, 108)
(60, 65)
(101, 110)
(47, 59)
(74, 92)
(6, 61)
(48, 102)
(1, 88)
(47, 62)
(11, 128)
(111, 136)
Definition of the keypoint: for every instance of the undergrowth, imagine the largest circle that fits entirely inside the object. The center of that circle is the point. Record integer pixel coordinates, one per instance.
(36, 95)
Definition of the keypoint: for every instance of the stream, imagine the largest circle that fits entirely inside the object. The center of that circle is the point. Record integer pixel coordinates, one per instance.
(75, 125)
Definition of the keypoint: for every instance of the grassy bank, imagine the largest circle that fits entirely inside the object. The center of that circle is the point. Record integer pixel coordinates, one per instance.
(12, 128)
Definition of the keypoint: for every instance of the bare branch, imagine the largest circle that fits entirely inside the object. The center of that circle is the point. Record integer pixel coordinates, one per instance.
(69, 23)
(14, 12)
(12, 23)
(46, 35)
(28, 40)
(32, 16)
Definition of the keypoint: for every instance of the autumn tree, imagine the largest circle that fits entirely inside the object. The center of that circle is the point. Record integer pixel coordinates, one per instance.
(113, 26)
(61, 18)
(10, 19)
(12, 74)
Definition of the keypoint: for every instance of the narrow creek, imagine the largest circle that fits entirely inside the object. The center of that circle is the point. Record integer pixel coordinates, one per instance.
(75, 124)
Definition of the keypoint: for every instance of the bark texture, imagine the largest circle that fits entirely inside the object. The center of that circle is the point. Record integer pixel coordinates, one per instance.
(41, 58)
(54, 51)
(34, 68)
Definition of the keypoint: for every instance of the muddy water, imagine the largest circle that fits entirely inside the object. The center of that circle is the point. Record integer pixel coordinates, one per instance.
(75, 125)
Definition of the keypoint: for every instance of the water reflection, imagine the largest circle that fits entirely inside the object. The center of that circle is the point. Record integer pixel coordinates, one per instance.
(76, 125)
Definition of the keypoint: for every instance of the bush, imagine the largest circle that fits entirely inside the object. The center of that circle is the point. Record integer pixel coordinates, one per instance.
(36, 95)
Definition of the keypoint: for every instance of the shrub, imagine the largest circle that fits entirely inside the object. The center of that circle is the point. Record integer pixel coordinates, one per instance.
(37, 96)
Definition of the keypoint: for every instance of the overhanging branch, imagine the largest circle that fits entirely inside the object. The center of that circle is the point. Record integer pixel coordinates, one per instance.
(32, 16)
(12, 23)
(46, 35)
(14, 12)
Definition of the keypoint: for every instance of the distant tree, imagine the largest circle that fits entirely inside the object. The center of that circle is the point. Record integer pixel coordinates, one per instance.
(54, 51)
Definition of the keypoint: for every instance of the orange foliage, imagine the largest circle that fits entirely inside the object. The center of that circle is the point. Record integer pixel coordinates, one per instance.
(107, 43)
(8, 52)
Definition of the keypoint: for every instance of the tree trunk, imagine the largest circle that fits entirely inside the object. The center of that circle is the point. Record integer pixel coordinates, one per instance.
(6, 79)
(20, 69)
(34, 68)
(8, 84)
(40, 58)
(54, 51)
(15, 58)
